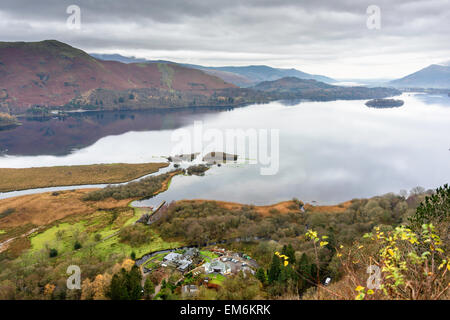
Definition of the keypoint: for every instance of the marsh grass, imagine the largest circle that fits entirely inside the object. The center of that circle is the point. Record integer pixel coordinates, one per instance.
(29, 178)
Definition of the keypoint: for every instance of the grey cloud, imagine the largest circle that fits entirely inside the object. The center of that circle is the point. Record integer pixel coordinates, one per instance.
(289, 33)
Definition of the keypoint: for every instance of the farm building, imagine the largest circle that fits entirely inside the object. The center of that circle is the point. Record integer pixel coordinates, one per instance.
(172, 257)
(217, 266)
(189, 289)
(181, 262)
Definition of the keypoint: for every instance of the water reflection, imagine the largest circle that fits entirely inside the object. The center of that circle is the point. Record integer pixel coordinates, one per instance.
(60, 135)
(329, 151)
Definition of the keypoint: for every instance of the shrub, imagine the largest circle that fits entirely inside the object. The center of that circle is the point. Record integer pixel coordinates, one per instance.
(139, 189)
(198, 170)
(7, 212)
(53, 253)
(77, 245)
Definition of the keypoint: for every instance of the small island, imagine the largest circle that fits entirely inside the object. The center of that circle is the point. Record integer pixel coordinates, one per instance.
(219, 157)
(8, 122)
(384, 103)
(209, 158)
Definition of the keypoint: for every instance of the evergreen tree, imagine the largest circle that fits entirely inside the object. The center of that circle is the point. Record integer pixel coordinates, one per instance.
(149, 288)
(126, 285)
(290, 253)
(284, 274)
(435, 208)
(53, 253)
(304, 272)
(77, 245)
(275, 269)
(118, 289)
(134, 283)
(261, 275)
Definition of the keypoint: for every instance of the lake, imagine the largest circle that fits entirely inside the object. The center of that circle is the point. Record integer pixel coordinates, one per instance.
(329, 152)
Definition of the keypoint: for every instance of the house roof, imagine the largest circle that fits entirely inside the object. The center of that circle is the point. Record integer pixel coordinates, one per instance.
(172, 256)
(184, 264)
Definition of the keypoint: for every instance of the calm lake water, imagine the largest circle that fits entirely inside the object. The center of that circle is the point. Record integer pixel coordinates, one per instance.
(328, 151)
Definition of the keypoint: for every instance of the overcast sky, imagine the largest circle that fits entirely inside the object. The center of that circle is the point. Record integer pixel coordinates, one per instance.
(322, 37)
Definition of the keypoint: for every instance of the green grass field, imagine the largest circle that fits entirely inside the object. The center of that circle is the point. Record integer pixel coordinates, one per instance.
(217, 279)
(208, 255)
(60, 237)
(63, 236)
(154, 261)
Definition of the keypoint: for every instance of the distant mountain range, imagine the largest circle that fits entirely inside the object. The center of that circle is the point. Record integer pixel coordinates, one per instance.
(118, 58)
(251, 75)
(434, 76)
(245, 76)
(36, 76)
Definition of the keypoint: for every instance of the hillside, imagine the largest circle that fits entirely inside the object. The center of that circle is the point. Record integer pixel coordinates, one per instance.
(51, 73)
(433, 76)
(251, 75)
(294, 88)
(244, 76)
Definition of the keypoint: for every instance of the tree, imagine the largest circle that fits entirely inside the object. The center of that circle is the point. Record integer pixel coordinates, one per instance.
(417, 191)
(240, 287)
(53, 253)
(134, 283)
(275, 269)
(305, 271)
(435, 208)
(261, 275)
(117, 288)
(163, 284)
(289, 252)
(77, 245)
(331, 240)
(95, 290)
(126, 285)
(149, 288)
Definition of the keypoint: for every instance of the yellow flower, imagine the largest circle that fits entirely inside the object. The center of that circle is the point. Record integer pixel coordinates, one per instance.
(359, 288)
(286, 263)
